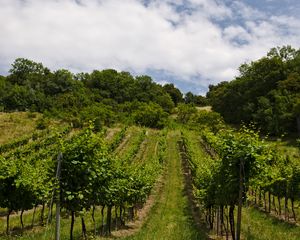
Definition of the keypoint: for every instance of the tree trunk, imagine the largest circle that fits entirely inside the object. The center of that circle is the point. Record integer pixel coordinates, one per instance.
(269, 194)
(279, 206)
(42, 214)
(7, 221)
(274, 205)
(210, 218)
(83, 228)
(298, 125)
(218, 219)
(33, 216)
(21, 219)
(222, 219)
(108, 220)
(131, 213)
(265, 201)
(93, 217)
(116, 217)
(72, 224)
(102, 219)
(259, 198)
(49, 220)
(293, 210)
(286, 210)
(227, 224)
(121, 216)
(231, 221)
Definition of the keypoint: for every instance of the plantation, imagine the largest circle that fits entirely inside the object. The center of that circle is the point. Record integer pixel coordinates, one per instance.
(106, 176)
(108, 155)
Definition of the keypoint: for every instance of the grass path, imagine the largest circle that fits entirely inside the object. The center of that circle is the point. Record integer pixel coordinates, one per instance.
(170, 218)
(260, 226)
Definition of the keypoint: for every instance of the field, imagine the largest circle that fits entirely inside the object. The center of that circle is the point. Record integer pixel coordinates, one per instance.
(145, 184)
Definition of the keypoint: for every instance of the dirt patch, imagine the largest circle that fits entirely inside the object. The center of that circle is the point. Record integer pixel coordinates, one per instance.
(111, 132)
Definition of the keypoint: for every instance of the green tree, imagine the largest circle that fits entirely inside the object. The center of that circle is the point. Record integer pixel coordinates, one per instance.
(150, 115)
(174, 92)
(185, 112)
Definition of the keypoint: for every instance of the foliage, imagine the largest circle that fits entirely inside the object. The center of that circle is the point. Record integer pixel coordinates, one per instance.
(85, 162)
(191, 98)
(174, 92)
(149, 115)
(86, 96)
(266, 92)
(207, 119)
(185, 112)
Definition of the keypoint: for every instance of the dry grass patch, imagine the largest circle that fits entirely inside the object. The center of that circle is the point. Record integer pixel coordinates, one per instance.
(17, 124)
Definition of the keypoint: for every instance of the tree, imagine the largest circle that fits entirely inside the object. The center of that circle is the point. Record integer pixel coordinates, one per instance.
(190, 97)
(174, 92)
(265, 92)
(22, 68)
(61, 81)
(185, 112)
(150, 115)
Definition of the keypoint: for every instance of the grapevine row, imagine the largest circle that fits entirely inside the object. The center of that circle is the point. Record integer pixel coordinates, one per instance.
(91, 176)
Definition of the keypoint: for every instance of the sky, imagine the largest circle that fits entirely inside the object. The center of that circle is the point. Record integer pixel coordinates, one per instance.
(190, 43)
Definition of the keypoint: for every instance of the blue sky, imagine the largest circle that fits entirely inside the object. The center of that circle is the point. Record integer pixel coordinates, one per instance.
(191, 43)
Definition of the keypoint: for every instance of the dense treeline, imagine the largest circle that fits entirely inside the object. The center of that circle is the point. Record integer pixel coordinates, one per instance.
(267, 93)
(107, 94)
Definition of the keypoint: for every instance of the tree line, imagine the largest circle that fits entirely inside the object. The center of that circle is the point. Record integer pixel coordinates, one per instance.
(108, 94)
(266, 93)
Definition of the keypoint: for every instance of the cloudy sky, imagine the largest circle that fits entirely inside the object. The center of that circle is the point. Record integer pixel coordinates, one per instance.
(191, 43)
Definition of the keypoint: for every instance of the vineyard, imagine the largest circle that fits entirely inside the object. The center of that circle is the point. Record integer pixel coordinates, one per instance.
(90, 183)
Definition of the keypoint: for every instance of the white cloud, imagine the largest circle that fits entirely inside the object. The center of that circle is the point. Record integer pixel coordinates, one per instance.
(127, 35)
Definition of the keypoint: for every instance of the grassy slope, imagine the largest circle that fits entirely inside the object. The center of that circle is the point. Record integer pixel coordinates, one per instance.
(170, 217)
(16, 124)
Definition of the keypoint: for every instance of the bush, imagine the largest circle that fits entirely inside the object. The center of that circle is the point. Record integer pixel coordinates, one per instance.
(185, 112)
(31, 115)
(150, 115)
(97, 124)
(212, 120)
(76, 122)
(41, 124)
(99, 111)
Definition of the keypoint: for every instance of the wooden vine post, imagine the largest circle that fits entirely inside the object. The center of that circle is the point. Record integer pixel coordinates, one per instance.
(57, 222)
(240, 202)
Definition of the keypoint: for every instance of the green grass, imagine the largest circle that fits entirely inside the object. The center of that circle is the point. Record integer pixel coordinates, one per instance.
(148, 146)
(132, 136)
(170, 218)
(260, 226)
